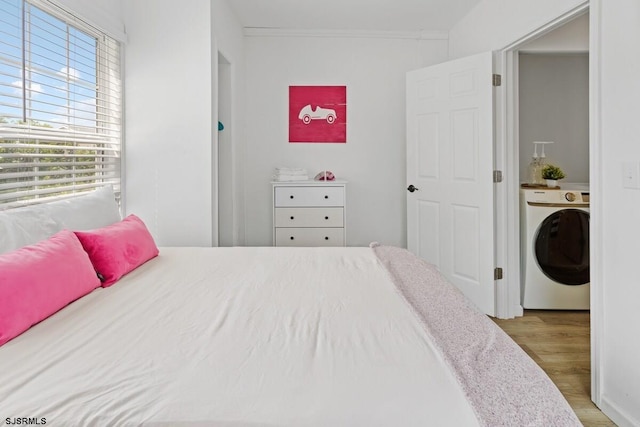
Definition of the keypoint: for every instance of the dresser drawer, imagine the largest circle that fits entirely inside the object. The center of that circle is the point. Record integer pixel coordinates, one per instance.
(308, 196)
(309, 236)
(309, 217)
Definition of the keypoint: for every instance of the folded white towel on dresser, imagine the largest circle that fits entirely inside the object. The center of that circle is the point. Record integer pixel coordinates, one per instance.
(280, 177)
(291, 171)
(290, 174)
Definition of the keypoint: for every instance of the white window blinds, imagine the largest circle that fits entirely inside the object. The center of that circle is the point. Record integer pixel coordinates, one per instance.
(60, 105)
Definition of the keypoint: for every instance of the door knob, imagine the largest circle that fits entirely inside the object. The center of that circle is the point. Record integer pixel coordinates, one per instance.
(412, 188)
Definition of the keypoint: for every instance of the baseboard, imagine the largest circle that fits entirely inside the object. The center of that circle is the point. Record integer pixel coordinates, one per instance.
(616, 414)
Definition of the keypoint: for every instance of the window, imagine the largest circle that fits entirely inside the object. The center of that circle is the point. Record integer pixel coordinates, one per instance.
(60, 105)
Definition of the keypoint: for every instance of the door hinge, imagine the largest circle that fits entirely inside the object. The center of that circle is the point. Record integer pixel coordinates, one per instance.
(497, 80)
(497, 176)
(497, 273)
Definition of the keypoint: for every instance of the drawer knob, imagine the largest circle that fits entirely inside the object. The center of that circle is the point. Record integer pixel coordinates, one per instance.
(326, 238)
(326, 217)
(291, 197)
(291, 217)
(291, 237)
(326, 197)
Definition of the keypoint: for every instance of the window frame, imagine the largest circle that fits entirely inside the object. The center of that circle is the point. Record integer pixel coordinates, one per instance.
(96, 149)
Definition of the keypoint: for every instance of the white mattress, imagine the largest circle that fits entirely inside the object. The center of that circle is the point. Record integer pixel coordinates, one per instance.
(236, 337)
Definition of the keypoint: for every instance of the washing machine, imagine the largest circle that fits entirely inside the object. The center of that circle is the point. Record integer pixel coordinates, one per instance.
(554, 254)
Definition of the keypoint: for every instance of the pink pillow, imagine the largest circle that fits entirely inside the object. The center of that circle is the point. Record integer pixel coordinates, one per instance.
(38, 280)
(118, 248)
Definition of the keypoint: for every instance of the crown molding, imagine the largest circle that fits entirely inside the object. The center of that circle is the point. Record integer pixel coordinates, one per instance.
(408, 35)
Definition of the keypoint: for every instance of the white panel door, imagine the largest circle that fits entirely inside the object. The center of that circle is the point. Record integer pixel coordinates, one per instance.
(450, 170)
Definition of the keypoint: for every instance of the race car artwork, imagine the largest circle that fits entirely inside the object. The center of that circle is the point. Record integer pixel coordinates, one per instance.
(317, 114)
(307, 114)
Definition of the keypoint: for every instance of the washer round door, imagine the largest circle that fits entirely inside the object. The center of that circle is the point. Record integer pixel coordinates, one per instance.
(562, 247)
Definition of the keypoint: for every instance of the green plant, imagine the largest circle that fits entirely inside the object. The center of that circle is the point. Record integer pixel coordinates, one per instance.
(552, 172)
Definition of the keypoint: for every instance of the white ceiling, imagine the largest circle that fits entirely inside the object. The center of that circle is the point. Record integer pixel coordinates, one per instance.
(360, 15)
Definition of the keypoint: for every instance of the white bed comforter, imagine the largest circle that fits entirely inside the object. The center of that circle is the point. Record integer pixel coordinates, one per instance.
(236, 337)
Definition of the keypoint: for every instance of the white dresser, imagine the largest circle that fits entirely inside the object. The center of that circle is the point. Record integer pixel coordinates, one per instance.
(309, 213)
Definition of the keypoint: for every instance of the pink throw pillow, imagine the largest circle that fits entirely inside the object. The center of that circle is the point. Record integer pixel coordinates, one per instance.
(119, 248)
(38, 280)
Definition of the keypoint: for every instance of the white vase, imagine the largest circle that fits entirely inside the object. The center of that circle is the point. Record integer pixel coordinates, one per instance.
(552, 183)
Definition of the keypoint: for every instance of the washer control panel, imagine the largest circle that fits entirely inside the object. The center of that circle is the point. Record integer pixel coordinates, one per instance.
(556, 197)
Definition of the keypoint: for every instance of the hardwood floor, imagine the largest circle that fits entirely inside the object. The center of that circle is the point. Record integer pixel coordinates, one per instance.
(559, 342)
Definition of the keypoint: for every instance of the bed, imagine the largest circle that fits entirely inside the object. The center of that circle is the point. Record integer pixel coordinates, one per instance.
(274, 337)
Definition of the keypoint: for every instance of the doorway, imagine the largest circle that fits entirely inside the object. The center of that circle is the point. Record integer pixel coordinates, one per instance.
(509, 145)
(225, 154)
(553, 107)
(565, 40)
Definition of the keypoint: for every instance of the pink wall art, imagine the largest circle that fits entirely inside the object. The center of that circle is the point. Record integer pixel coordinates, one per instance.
(318, 114)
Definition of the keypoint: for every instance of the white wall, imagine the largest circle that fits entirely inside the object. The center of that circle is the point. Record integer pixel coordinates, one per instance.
(169, 125)
(554, 106)
(620, 130)
(615, 210)
(171, 115)
(372, 160)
